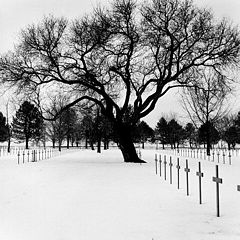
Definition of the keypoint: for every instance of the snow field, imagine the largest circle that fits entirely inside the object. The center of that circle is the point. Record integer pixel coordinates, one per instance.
(83, 195)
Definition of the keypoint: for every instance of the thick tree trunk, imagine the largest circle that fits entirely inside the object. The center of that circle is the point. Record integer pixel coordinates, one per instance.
(99, 144)
(53, 143)
(208, 139)
(27, 143)
(68, 141)
(126, 145)
(9, 145)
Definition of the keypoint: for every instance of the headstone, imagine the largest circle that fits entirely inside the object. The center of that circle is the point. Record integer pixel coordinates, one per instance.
(178, 168)
(187, 170)
(200, 175)
(217, 180)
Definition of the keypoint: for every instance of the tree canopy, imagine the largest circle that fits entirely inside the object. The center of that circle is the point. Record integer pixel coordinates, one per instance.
(128, 54)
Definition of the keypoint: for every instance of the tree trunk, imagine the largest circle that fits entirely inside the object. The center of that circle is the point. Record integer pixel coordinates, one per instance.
(9, 145)
(143, 145)
(105, 144)
(208, 139)
(86, 143)
(59, 145)
(126, 144)
(27, 143)
(229, 146)
(99, 145)
(68, 141)
(53, 143)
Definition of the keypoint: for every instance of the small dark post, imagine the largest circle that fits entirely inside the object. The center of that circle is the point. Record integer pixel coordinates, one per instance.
(187, 170)
(45, 153)
(193, 153)
(217, 180)
(160, 165)
(200, 175)
(204, 155)
(238, 188)
(213, 156)
(156, 163)
(178, 168)
(170, 165)
(165, 170)
(23, 156)
(223, 158)
(28, 155)
(218, 156)
(230, 162)
(18, 157)
(39, 155)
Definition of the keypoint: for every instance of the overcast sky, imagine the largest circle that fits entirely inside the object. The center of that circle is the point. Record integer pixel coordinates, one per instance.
(17, 14)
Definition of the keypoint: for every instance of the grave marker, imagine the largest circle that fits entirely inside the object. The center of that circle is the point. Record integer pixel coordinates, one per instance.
(160, 166)
(170, 165)
(200, 175)
(23, 156)
(187, 170)
(156, 163)
(165, 170)
(218, 181)
(18, 157)
(178, 168)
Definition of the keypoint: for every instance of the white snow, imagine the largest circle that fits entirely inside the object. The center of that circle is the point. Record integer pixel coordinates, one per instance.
(83, 195)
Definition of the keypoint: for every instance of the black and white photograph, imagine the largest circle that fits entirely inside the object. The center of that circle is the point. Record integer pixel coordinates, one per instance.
(120, 120)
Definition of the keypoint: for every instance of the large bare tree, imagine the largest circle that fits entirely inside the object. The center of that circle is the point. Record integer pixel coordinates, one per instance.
(128, 54)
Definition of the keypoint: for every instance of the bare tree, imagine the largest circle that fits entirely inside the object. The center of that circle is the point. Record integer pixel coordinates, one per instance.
(128, 54)
(204, 102)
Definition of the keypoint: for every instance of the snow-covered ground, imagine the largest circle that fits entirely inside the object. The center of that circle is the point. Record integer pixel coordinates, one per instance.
(83, 195)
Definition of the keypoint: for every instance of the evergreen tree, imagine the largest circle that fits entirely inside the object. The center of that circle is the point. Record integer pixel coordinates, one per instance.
(4, 129)
(144, 131)
(162, 131)
(27, 123)
(190, 133)
(176, 133)
(204, 130)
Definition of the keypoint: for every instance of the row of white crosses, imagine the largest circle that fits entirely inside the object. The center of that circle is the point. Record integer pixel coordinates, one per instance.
(199, 174)
(13, 150)
(201, 154)
(34, 155)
